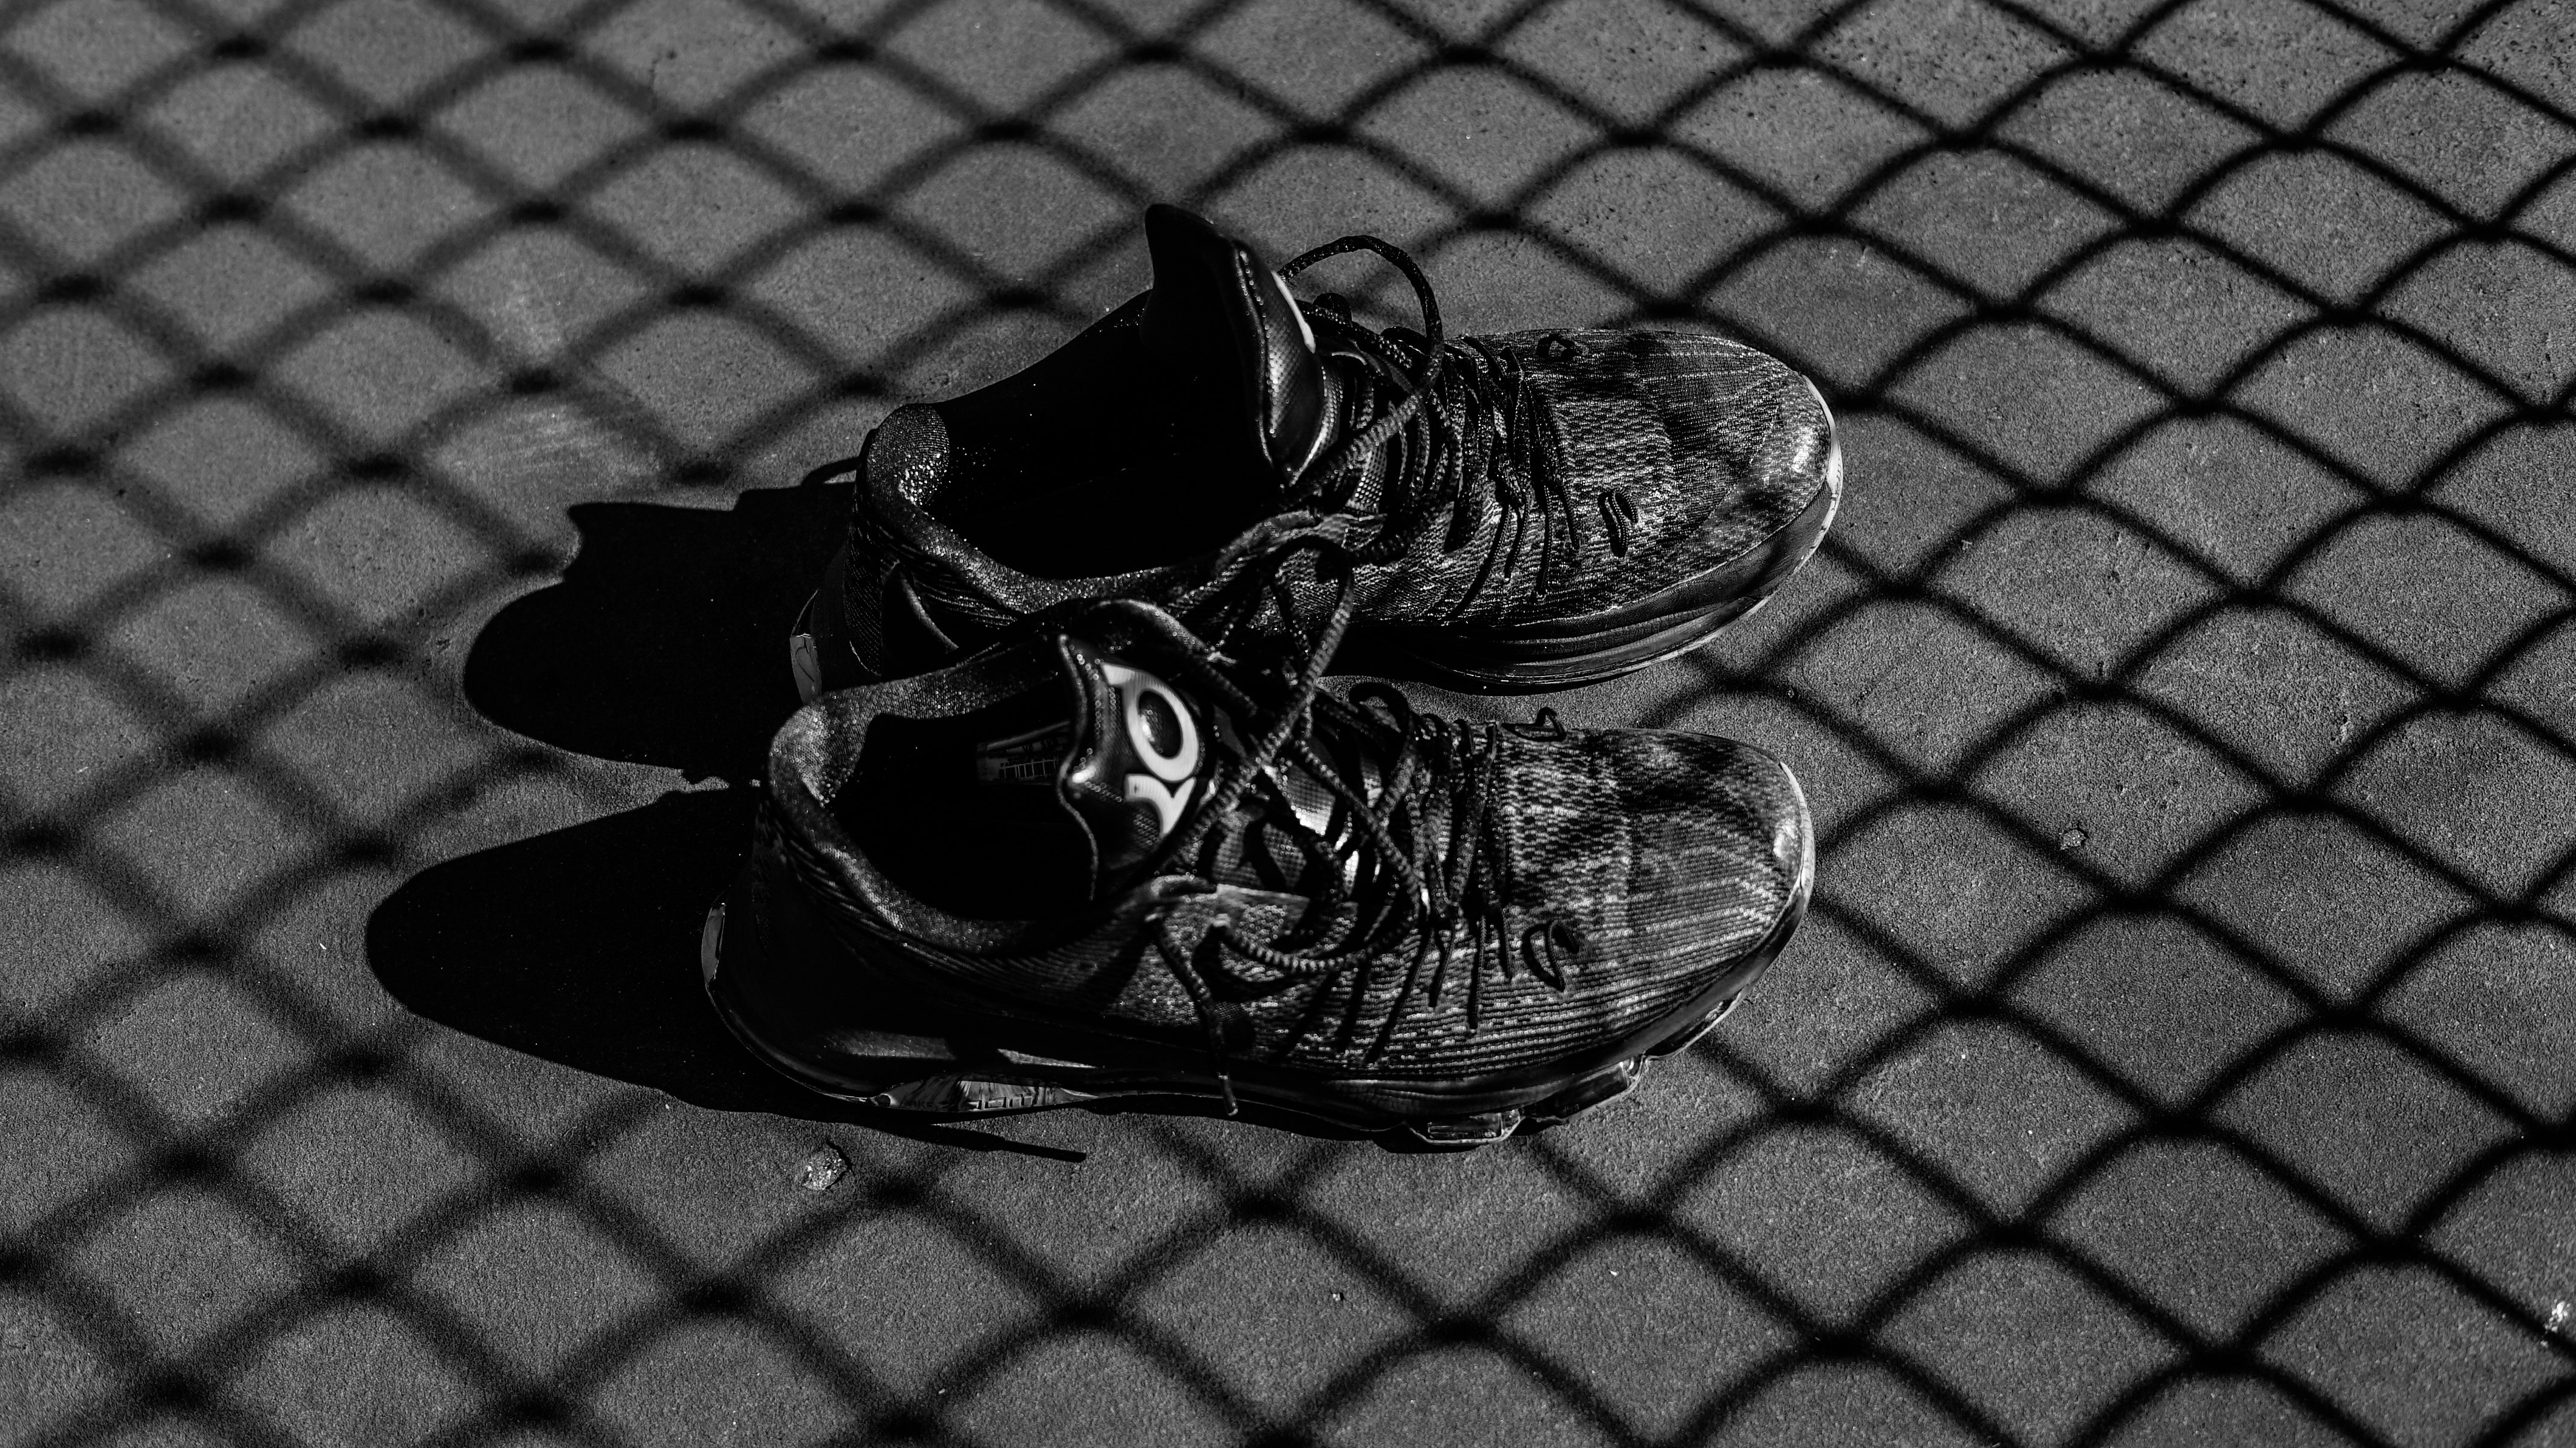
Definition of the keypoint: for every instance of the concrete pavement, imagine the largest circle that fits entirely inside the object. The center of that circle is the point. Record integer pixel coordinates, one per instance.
(407, 409)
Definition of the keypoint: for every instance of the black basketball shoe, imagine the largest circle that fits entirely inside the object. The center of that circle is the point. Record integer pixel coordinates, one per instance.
(1104, 860)
(1530, 511)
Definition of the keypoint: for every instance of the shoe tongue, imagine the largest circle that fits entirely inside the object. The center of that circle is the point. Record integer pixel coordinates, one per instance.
(1224, 323)
(1129, 763)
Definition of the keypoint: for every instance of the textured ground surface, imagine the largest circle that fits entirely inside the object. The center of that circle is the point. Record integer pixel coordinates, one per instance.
(403, 403)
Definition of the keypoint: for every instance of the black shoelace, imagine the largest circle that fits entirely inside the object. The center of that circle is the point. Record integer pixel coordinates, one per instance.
(1460, 428)
(1417, 851)
(1454, 427)
(1449, 430)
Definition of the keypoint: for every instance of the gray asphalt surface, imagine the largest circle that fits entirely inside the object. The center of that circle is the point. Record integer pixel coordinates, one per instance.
(406, 408)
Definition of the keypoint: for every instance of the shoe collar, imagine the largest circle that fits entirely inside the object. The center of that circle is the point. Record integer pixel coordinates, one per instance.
(817, 754)
(952, 573)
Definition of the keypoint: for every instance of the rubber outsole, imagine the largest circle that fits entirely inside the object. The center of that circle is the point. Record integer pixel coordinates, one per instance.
(951, 1077)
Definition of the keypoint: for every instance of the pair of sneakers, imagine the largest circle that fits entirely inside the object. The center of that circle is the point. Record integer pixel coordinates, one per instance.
(1070, 816)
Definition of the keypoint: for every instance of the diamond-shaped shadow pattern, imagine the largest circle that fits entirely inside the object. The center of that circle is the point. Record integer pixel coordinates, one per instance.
(2178, 1051)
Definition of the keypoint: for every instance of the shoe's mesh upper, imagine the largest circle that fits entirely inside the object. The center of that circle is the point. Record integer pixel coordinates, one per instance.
(1715, 445)
(1711, 445)
(1672, 854)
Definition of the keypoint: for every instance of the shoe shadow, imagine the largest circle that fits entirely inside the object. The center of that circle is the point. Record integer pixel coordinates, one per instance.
(580, 947)
(665, 641)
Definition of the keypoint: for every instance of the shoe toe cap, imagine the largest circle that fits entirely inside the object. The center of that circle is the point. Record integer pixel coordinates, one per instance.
(1718, 447)
(1720, 840)
(1746, 425)
(1689, 850)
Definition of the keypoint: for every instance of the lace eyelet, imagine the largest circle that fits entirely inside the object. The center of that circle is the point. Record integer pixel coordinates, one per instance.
(1559, 347)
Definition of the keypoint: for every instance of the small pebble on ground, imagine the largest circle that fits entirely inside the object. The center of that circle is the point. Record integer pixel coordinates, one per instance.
(825, 1167)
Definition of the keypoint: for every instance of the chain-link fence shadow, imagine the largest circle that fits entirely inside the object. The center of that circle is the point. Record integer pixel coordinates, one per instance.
(2177, 1051)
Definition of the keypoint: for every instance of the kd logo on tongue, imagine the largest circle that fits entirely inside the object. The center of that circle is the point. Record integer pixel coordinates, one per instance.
(1165, 740)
